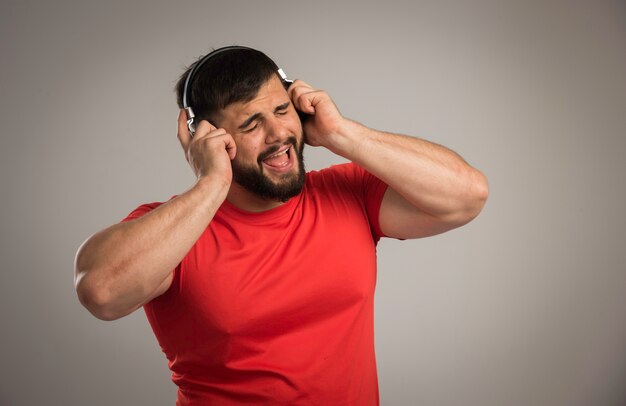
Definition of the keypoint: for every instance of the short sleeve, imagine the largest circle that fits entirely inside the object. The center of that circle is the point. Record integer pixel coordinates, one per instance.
(141, 210)
(368, 189)
(373, 192)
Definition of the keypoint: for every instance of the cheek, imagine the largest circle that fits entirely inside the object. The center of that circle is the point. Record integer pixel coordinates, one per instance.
(295, 125)
(246, 154)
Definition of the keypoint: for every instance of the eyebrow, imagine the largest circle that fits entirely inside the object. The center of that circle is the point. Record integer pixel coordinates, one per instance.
(249, 120)
(256, 116)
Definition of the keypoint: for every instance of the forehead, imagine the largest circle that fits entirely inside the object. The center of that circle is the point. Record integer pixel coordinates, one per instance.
(271, 94)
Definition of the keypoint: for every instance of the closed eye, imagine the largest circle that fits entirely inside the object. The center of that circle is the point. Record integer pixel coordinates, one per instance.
(249, 130)
(282, 109)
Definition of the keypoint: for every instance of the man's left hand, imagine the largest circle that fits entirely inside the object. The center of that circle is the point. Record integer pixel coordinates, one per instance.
(324, 119)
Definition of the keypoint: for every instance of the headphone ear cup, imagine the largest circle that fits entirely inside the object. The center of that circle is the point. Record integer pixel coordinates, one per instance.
(191, 121)
(303, 116)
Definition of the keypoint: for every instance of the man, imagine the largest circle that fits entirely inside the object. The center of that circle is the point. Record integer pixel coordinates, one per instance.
(258, 281)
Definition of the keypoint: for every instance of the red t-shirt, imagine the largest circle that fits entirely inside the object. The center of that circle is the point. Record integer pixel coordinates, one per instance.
(277, 307)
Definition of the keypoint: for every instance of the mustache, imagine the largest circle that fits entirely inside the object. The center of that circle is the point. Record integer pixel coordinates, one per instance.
(272, 150)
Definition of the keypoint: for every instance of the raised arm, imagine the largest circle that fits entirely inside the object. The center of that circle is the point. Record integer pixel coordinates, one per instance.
(431, 188)
(119, 269)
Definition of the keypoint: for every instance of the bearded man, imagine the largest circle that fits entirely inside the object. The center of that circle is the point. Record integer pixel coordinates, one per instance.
(258, 281)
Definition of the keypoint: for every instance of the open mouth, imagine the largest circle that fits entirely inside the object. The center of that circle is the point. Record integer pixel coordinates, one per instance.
(280, 159)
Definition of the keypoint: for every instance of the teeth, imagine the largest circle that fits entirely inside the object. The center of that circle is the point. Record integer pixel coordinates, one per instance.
(280, 153)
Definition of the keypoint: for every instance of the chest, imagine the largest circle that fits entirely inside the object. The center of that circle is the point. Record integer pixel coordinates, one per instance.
(245, 279)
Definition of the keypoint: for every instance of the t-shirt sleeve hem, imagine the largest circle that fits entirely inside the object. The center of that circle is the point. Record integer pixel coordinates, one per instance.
(374, 204)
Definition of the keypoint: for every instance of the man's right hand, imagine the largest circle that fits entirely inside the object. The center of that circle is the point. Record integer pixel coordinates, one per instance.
(210, 150)
(124, 266)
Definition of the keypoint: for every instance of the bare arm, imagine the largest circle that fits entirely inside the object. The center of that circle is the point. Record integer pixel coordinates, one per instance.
(119, 269)
(431, 188)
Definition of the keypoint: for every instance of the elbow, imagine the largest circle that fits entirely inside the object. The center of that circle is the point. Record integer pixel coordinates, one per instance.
(92, 293)
(96, 300)
(477, 196)
(471, 202)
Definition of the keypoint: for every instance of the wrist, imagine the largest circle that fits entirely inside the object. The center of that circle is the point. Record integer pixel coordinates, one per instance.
(212, 185)
(346, 138)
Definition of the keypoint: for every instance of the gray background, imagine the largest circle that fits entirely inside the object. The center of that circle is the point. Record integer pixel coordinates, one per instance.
(523, 306)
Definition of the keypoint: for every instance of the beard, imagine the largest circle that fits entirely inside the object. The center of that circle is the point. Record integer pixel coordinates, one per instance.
(252, 178)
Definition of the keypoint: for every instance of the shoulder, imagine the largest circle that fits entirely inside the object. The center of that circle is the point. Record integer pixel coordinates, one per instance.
(350, 189)
(345, 176)
(336, 173)
(143, 209)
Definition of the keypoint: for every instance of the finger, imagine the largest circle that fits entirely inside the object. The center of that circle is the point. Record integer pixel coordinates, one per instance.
(231, 147)
(308, 101)
(205, 127)
(304, 97)
(301, 83)
(183, 132)
(206, 130)
(297, 87)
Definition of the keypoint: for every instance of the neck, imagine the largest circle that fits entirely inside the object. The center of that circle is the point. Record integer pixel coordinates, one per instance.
(245, 200)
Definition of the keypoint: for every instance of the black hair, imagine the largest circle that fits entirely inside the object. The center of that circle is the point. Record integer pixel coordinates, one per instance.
(233, 75)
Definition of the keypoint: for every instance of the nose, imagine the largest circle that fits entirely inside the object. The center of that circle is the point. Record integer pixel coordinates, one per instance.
(276, 130)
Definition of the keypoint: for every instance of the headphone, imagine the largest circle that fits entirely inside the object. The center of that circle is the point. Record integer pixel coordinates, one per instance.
(191, 125)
